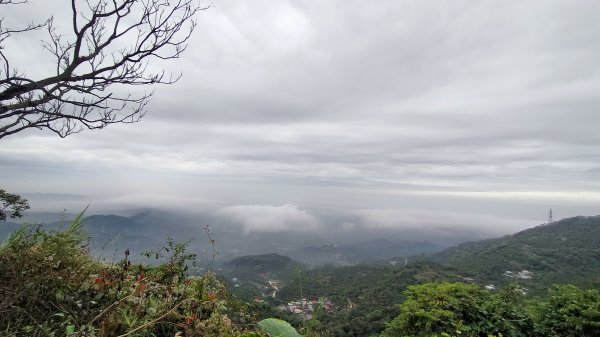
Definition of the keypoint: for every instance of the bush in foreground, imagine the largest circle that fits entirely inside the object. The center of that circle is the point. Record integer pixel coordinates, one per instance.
(459, 309)
(51, 286)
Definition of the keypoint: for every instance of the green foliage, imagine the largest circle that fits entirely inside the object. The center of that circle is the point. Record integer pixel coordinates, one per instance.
(562, 252)
(570, 311)
(178, 260)
(50, 286)
(277, 328)
(505, 313)
(459, 309)
(441, 309)
(11, 205)
(433, 310)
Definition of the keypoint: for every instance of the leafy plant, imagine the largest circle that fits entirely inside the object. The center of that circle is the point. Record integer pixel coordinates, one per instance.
(570, 311)
(277, 328)
(458, 309)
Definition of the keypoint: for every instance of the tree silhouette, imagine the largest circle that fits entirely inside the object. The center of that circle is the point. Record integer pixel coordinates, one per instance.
(107, 51)
(11, 205)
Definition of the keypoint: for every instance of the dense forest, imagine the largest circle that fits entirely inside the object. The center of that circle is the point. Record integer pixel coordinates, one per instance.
(565, 251)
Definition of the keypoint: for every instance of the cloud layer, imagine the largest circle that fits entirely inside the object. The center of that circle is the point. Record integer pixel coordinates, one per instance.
(486, 112)
(266, 218)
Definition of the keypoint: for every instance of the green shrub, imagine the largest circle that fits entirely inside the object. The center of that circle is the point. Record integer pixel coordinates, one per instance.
(51, 286)
(570, 311)
(458, 309)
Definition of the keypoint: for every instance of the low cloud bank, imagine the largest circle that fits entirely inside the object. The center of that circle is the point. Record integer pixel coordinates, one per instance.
(266, 218)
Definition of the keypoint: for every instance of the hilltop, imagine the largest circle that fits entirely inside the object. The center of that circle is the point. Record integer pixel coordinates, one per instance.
(565, 251)
(265, 263)
(260, 275)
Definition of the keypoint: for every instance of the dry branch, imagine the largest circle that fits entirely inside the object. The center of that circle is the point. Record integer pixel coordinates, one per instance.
(108, 50)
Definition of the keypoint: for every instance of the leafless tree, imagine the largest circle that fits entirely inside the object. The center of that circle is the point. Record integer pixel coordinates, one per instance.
(107, 51)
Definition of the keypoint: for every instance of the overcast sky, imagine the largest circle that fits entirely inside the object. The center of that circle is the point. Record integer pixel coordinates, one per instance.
(473, 114)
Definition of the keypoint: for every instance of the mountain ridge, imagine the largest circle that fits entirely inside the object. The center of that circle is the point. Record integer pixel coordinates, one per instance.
(559, 252)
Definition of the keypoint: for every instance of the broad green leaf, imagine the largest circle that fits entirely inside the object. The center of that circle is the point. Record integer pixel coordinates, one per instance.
(277, 328)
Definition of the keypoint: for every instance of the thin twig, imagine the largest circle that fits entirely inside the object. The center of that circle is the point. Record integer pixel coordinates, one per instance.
(108, 308)
(155, 320)
(212, 243)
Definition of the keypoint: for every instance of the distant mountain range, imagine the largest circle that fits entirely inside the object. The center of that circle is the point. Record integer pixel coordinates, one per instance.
(563, 251)
(110, 235)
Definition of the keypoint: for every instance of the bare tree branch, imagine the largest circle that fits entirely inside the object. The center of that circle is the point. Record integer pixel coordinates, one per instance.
(109, 48)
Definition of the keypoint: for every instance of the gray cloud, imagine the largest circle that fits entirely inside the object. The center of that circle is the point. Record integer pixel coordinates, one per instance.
(266, 218)
(351, 105)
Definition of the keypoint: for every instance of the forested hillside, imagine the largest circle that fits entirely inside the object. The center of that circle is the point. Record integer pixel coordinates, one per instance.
(566, 251)
(366, 296)
(259, 275)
